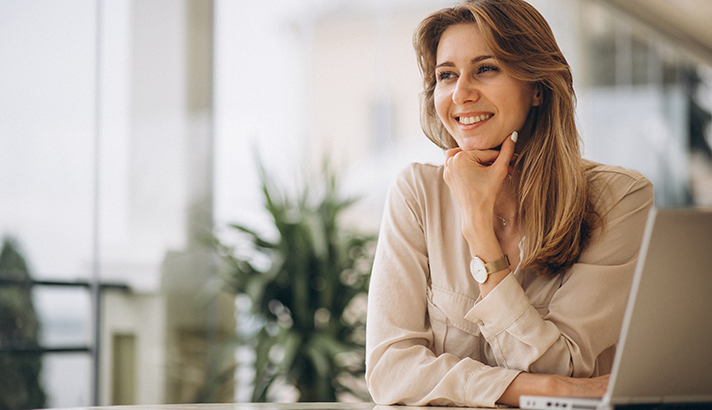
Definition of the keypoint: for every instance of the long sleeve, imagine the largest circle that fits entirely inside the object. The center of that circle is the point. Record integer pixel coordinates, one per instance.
(432, 340)
(401, 364)
(566, 333)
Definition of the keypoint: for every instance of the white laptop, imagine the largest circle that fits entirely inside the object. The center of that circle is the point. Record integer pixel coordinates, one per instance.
(664, 354)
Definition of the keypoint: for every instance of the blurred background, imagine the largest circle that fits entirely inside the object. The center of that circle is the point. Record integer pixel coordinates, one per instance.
(132, 208)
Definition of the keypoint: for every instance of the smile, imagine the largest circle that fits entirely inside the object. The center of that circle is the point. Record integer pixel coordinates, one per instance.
(473, 120)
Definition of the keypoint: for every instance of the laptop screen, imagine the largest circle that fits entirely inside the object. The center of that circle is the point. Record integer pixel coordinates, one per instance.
(665, 350)
(664, 354)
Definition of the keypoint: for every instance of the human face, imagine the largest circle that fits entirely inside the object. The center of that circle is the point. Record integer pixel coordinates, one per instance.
(477, 102)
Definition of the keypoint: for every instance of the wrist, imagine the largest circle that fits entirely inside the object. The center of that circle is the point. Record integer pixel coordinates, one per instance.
(528, 384)
(485, 246)
(477, 223)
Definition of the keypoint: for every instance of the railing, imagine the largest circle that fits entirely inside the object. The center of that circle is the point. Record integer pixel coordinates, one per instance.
(41, 350)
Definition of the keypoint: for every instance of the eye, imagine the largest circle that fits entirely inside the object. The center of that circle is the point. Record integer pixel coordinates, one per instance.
(486, 68)
(444, 75)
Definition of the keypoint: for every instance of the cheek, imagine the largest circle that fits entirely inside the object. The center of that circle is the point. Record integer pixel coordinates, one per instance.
(521, 105)
(440, 99)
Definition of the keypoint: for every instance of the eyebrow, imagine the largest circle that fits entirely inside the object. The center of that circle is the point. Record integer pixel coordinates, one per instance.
(473, 61)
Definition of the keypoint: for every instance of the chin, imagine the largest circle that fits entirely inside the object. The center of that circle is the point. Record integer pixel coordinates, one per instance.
(481, 147)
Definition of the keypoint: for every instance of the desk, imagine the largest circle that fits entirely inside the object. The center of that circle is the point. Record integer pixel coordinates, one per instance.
(262, 406)
(239, 406)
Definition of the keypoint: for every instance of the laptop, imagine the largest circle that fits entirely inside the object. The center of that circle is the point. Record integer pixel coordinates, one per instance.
(664, 354)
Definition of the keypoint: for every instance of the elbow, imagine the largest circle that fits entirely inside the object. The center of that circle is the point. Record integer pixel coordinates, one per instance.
(375, 389)
(384, 386)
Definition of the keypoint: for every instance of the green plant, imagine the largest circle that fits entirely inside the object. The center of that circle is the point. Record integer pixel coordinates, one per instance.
(19, 328)
(305, 292)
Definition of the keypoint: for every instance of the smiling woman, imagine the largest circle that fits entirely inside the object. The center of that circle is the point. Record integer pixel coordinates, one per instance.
(475, 100)
(505, 271)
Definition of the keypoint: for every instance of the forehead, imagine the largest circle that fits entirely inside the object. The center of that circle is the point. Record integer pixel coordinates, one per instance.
(461, 41)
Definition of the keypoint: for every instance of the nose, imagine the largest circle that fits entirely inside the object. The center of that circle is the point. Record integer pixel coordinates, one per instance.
(465, 91)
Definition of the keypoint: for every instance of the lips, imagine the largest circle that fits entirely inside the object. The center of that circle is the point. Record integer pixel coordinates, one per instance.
(473, 119)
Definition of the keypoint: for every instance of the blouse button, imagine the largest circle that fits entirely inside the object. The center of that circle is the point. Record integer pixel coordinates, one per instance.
(481, 323)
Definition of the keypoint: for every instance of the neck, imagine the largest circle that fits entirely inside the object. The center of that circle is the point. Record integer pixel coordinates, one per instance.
(506, 206)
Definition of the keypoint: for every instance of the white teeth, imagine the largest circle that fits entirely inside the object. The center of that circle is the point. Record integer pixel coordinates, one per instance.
(472, 120)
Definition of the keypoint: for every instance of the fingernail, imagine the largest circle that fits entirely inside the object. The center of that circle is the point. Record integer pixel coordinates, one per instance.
(515, 136)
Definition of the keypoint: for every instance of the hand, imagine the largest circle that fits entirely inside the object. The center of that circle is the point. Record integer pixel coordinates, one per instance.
(580, 387)
(553, 385)
(476, 177)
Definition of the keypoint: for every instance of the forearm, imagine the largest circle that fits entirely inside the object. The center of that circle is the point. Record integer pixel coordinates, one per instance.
(552, 385)
(415, 377)
(476, 180)
(484, 244)
(526, 384)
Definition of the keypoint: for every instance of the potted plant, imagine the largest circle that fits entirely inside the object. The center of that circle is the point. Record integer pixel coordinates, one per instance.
(302, 296)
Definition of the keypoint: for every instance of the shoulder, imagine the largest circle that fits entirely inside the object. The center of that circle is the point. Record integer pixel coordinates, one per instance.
(419, 188)
(596, 172)
(612, 184)
(419, 177)
(420, 171)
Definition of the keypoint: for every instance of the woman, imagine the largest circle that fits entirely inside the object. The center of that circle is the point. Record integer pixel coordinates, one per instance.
(505, 271)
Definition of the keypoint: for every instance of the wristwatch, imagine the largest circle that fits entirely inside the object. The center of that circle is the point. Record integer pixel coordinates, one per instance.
(480, 270)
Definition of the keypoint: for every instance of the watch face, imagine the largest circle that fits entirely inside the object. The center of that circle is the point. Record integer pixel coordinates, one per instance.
(478, 270)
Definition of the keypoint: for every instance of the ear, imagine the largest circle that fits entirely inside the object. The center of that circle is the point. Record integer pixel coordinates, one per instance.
(538, 96)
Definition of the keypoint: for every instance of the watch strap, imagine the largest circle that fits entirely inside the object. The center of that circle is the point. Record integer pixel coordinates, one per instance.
(497, 265)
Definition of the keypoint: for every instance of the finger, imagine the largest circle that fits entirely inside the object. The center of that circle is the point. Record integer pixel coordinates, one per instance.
(466, 158)
(506, 152)
(485, 157)
(450, 154)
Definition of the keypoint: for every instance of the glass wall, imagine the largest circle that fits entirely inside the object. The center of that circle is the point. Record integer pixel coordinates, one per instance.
(47, 171)
(106, 153)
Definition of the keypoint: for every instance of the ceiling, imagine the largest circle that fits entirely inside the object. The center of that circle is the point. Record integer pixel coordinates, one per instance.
(689, 22)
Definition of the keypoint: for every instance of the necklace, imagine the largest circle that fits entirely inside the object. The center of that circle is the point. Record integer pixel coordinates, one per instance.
(504, 221)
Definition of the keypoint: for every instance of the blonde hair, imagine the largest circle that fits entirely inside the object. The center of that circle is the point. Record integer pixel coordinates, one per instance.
(555, 200)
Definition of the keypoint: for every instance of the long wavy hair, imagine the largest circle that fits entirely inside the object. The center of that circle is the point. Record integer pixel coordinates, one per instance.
(555, 199)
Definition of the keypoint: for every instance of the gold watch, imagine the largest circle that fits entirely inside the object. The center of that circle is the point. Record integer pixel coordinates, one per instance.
(481, 270)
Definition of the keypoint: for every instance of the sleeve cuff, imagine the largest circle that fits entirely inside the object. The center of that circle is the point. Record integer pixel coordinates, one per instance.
(500, 308)
(486, 386)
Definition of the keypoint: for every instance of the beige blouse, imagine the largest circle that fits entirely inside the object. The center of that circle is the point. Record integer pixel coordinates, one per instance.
(432, 340)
